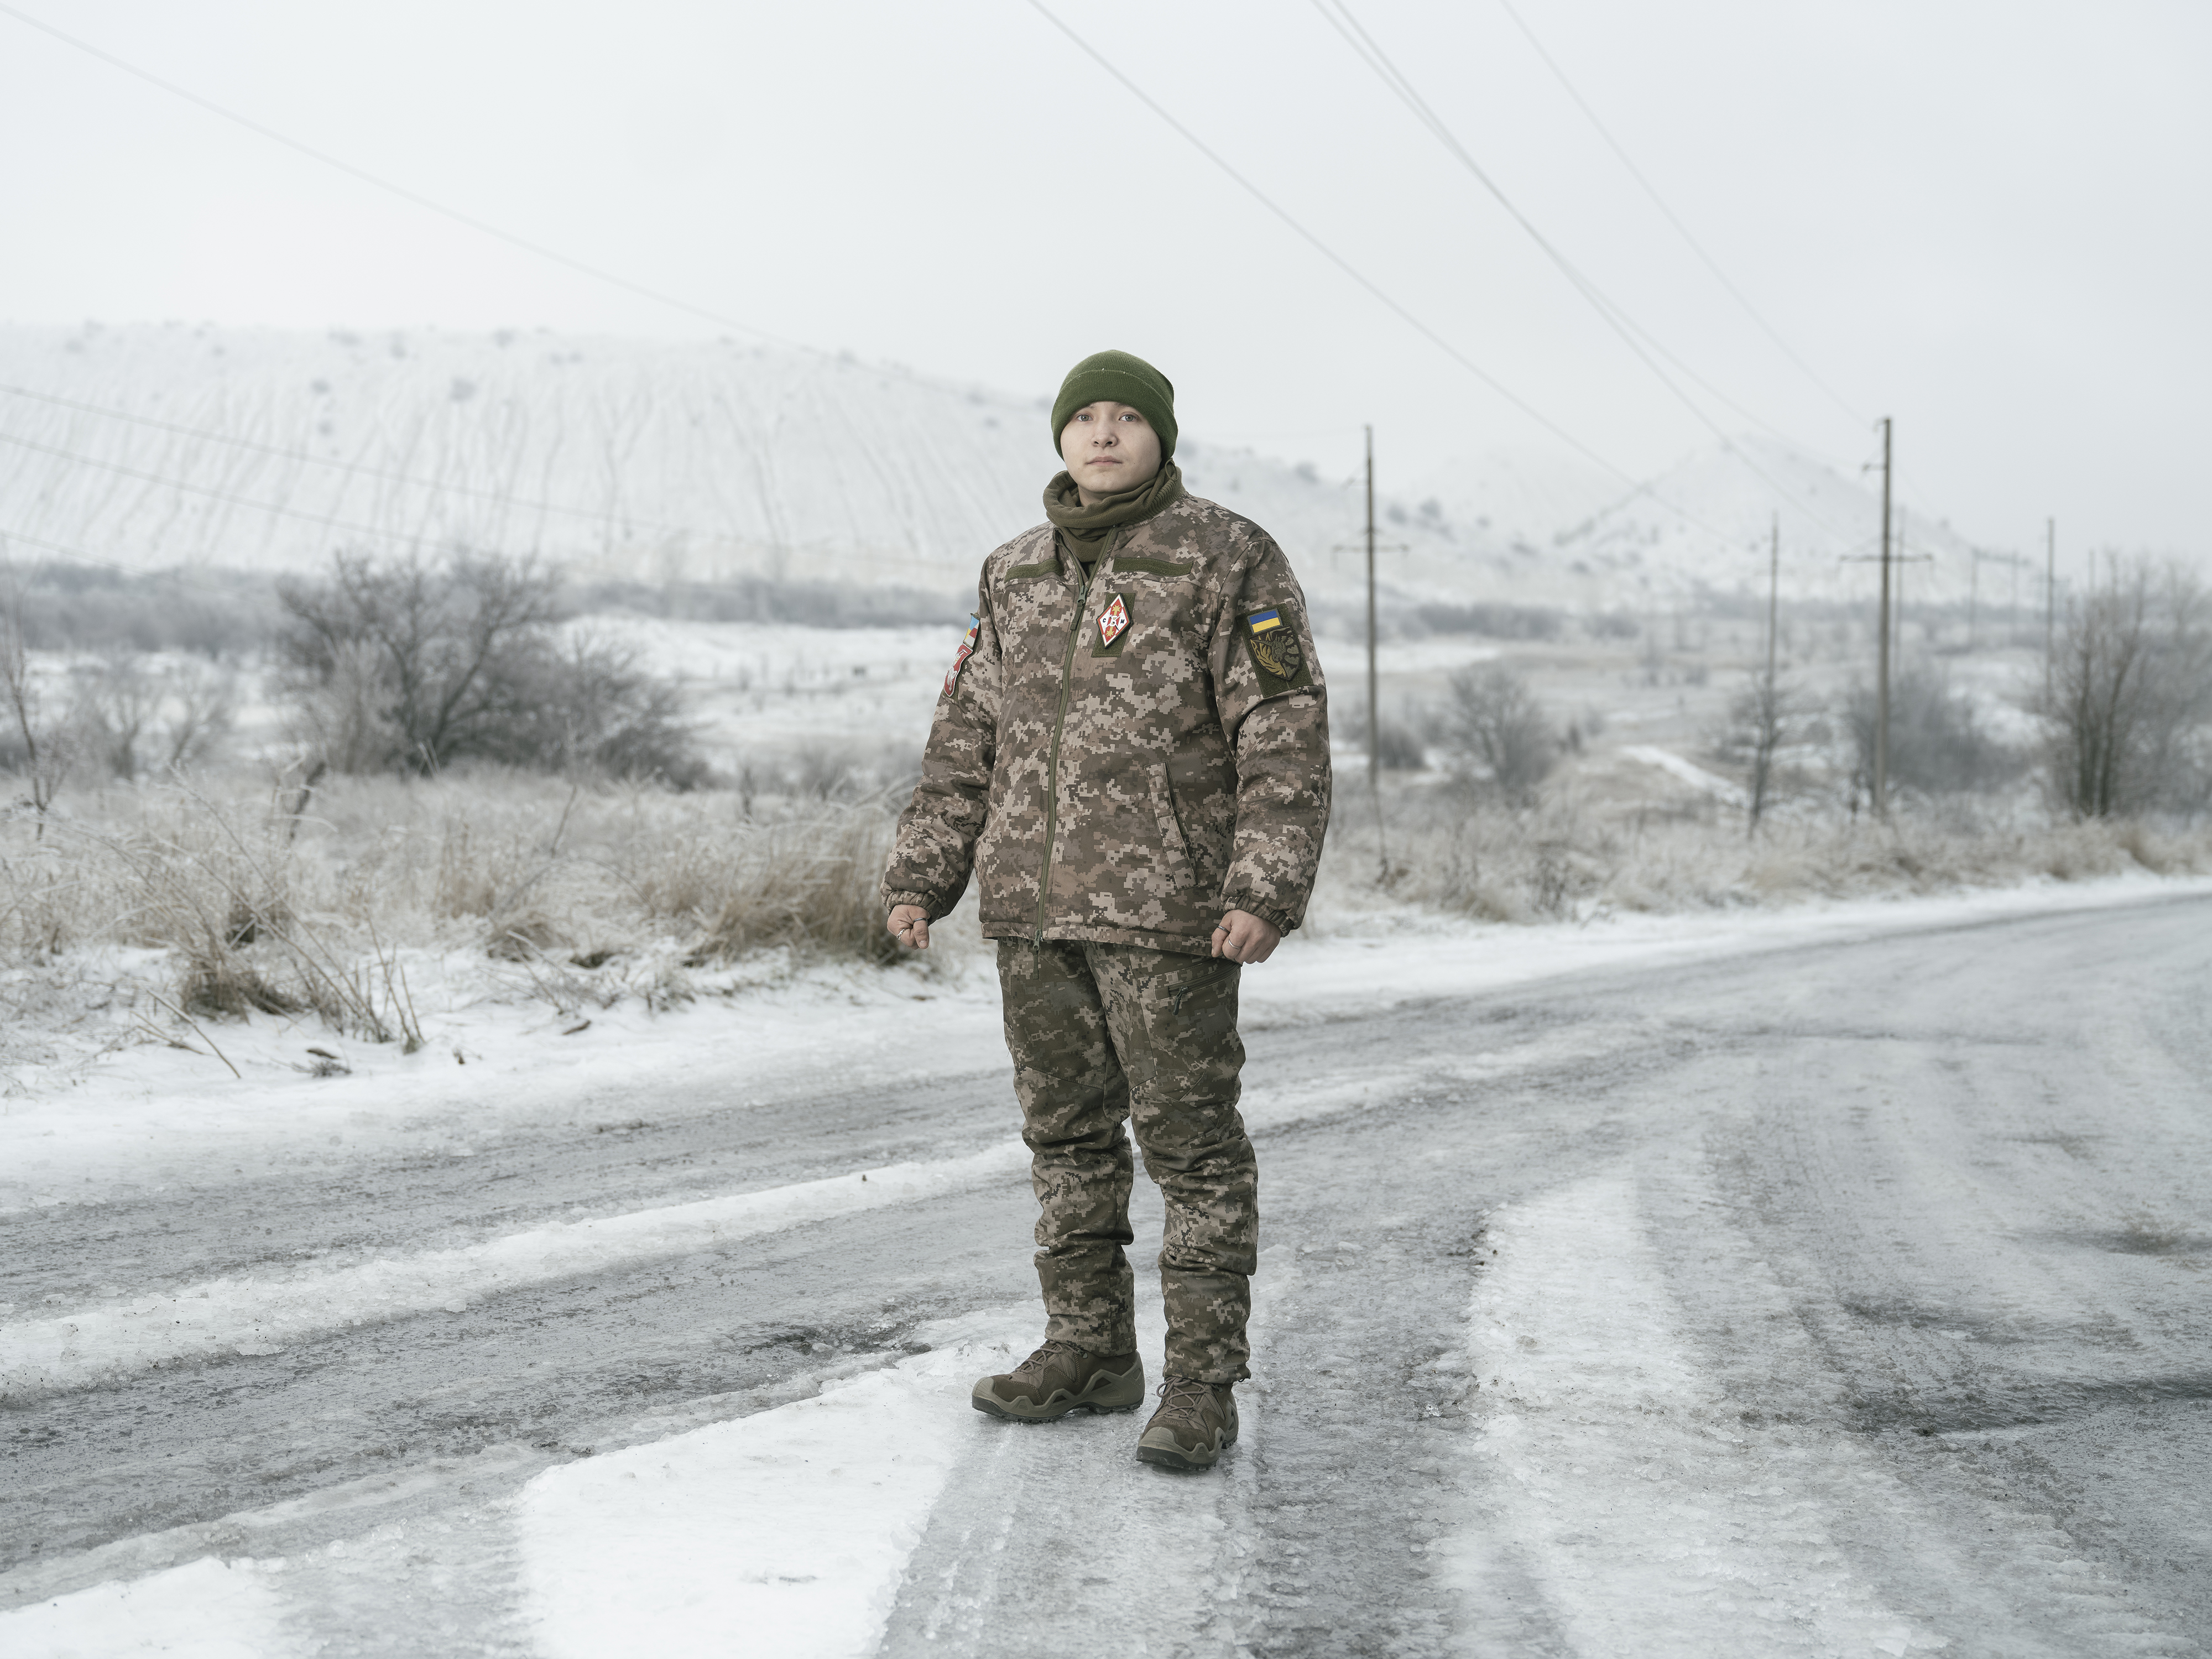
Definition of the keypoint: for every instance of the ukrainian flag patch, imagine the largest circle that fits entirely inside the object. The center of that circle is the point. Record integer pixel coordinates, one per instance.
(1276, 654)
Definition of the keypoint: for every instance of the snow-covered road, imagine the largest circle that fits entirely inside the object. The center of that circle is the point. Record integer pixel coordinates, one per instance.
(1839, 1293)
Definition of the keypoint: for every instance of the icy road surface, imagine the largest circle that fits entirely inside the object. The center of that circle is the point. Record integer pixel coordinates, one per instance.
(1829, 1293)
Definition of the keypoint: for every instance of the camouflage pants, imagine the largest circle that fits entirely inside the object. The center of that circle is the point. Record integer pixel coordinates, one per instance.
(1104, 1032)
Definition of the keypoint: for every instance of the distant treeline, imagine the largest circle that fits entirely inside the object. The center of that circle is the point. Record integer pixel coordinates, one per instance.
(1520, 622)
(230, 615)
(761, 599)
(218, 614)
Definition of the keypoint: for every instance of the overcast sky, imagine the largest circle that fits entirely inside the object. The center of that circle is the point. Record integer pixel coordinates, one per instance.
(1992, 221)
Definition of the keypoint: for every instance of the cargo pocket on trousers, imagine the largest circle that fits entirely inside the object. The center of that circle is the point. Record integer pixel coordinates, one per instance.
(1174, 849)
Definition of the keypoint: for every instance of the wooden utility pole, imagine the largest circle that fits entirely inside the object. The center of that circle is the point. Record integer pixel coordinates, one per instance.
(1773, 593)
(1981, 556)
(2050, 605)
(1881, 691)
(1374, 707)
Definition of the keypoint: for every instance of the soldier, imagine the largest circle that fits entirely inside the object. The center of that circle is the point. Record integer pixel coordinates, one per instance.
(1131, 753)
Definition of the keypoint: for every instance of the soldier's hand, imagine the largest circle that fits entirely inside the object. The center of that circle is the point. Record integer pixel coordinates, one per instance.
(1243, 937)
(909, 926)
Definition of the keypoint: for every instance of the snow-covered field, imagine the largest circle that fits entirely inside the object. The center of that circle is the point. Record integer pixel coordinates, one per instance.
(1823, 1281)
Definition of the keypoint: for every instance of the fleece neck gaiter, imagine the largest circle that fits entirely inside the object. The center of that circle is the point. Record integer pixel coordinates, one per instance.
(1086, 529)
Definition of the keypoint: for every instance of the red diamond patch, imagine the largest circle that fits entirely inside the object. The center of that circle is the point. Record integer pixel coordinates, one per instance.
(1112, 621)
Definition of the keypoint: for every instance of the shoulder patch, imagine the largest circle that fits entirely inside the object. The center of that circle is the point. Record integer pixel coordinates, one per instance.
(1277, 657)
(960, 657)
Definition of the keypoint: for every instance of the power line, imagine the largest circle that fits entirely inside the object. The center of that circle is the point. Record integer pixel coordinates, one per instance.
(1431, 335)
(1339, 14)
(1672, 218)
(1330, 253)
(352, 468)
(599, 273)
(325, 520)
(482, 226)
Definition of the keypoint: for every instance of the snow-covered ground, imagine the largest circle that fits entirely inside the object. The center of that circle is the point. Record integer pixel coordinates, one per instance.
(1822, 1281)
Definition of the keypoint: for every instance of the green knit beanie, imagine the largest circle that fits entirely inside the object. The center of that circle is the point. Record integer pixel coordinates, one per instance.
(1117, 377)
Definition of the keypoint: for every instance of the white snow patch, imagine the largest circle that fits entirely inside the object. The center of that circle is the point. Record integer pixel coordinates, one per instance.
(1652, 1527)
(783, 1532)
(1697, 777)
(206, 1610)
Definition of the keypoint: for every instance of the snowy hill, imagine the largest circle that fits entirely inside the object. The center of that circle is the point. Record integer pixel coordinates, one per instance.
(158, 446)
(1704, 526)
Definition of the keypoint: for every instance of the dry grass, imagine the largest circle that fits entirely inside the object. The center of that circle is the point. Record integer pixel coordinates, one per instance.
(1567, 857)
(262, 913)
(595, 895)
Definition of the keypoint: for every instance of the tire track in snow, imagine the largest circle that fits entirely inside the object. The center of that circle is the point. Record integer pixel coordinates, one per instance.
(250, 1318)
(1651, 1524)
(257, 1317)
(1052, 1535)
(1658, 1520)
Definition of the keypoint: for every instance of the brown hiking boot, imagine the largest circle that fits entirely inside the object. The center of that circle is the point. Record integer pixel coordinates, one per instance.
(1059, 1379)
(1195, 1421)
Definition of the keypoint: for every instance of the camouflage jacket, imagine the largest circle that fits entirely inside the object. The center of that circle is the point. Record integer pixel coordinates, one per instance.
(1128, 759)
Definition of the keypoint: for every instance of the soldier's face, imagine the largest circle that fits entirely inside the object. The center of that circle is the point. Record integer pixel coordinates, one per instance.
(1108, 447)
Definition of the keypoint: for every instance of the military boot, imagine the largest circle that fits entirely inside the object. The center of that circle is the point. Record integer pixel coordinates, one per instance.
(1195, 1421)
(1059, 1379)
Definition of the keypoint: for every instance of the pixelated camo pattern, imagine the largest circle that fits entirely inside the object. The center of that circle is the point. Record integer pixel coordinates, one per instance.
(1128, 788)
(1104, 1033)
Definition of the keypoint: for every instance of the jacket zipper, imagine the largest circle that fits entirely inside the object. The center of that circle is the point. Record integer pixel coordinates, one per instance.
(1052, 765)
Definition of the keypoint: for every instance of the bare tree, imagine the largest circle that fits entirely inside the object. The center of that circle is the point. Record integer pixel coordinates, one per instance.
(111, 702)
(2128, 712)
(412, 667)
(1763, 720)
(435, 646)
(340, 712)
(128, 714)
(42, 756)
(1939, 743)
(1505, 740)
(199, 702)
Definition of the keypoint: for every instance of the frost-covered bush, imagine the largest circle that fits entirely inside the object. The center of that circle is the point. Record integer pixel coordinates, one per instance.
(1939, 743)
(2128, 707)
(1504, 742)
(414, 667)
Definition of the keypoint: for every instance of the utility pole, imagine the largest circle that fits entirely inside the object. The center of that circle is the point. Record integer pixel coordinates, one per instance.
(1981, 556)
(1974, 591)
(1773, 596)
(1374, 707)
(1882, 691)
(2050, 605)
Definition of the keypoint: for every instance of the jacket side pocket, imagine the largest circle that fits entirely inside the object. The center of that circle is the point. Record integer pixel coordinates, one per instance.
(1175, 849)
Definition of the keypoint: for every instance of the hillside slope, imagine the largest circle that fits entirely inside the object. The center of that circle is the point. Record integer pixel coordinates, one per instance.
(159, 446)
